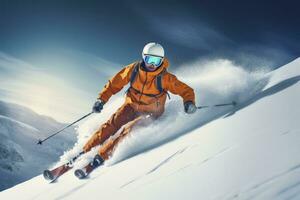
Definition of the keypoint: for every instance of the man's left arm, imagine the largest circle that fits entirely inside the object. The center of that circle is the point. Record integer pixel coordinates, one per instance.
(177, 87)
(187, 93)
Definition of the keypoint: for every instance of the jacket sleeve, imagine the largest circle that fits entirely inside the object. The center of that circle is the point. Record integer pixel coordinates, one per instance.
(116, 83)
(177, 87)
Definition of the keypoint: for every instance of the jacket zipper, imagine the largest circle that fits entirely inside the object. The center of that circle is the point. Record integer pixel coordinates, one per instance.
(143, 89)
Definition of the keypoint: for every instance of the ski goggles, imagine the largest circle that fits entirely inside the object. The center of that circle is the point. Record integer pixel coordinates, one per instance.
(154, 60)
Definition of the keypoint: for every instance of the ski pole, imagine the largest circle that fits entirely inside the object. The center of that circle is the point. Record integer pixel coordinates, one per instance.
(72, 160)
(233, 103)
(75, 157)
(41, 141)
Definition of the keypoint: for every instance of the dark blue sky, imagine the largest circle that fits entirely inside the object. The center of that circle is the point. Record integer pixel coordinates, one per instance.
(251, 32)
(56, 55)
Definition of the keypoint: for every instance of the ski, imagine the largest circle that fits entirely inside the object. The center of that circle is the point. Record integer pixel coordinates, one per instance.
(54, 174)
(85, 171)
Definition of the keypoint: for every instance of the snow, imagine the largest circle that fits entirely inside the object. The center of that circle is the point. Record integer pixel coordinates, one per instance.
(20, 157)
(18, 122)
(250, 151)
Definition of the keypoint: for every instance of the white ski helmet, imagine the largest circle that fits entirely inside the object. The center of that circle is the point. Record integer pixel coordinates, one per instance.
(153, 49)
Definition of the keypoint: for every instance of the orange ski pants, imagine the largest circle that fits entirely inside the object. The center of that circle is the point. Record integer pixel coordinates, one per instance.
(124, 115)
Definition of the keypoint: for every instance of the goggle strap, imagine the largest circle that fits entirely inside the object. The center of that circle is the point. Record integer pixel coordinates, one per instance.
(153, 55)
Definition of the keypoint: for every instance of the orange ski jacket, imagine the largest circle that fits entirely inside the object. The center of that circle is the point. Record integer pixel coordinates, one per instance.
(143, 94)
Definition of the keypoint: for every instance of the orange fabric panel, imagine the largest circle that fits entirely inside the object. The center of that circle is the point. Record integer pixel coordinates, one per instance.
(116, 83)
(107, 149)
(123, 115)
(175, 86)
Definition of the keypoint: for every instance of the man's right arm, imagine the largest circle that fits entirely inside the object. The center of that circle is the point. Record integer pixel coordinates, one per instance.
(116, 83)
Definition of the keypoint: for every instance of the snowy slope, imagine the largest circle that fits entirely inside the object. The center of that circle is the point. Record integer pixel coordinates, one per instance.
(247, 152)
(20, 157)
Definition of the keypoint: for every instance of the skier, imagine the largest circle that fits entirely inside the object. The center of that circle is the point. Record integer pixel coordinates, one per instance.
(149, 83)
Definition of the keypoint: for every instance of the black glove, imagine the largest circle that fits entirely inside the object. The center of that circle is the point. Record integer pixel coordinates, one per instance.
(98, 106)
(189, 107)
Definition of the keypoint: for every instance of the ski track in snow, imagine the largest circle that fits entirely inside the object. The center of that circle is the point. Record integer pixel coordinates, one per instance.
(166, 160)
(263, 187)
(155, 168)
(68, 193)
(178, 170)
(83, 183)
(214, 156)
